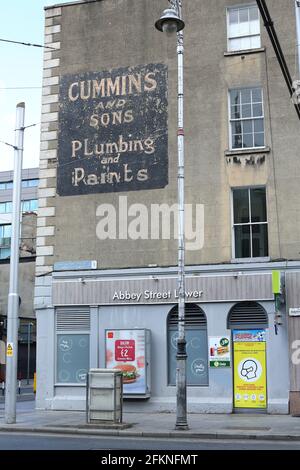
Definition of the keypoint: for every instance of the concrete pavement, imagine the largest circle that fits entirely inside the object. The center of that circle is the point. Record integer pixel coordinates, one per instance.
(208, 426)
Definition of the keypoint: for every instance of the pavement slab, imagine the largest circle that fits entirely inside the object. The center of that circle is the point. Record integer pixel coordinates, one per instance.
(155, 425)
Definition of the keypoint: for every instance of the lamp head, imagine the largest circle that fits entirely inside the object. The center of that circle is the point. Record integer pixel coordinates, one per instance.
(169, 22)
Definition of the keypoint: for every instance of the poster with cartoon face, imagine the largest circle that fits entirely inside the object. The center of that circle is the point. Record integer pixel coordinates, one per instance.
(250, 384)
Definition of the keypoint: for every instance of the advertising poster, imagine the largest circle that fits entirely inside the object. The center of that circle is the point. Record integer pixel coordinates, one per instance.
(250, 382)
(113, 130)
(219, 351)
(125, 350)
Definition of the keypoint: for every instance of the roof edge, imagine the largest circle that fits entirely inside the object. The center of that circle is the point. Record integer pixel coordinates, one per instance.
(76, 2)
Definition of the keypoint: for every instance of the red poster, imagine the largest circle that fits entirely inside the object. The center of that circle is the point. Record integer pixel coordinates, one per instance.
(125, 350)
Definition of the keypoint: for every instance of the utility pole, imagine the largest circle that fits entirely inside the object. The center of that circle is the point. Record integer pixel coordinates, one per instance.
(170, 22)
(13, 296)
(28, 350)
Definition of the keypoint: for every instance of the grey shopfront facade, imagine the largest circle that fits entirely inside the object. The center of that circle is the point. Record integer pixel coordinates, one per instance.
(85, 304)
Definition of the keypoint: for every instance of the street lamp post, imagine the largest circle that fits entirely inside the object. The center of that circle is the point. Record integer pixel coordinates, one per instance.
(170, 22)
(13, 296)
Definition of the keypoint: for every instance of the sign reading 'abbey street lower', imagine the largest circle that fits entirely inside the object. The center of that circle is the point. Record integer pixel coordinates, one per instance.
(113, 131)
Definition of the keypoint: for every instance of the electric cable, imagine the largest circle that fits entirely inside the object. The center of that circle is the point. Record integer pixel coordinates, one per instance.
(269, 25)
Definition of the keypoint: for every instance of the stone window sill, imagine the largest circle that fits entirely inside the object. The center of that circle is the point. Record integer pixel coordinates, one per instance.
(263, 259)
(241, 152)
(245, 52)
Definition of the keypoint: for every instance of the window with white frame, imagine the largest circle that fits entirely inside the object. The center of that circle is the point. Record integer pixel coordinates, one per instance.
(5, 240)
(247, 128)
(243, 28)
(250, 225)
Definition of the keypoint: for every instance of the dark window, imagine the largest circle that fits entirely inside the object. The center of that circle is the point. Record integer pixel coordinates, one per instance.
(196, 345)
(250, 223)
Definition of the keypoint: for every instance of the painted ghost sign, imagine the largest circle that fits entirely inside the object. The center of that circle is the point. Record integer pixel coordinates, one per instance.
(113, 131)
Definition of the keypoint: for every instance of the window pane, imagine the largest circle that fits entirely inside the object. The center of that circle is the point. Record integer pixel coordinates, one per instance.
(259, 140)
(246, 111)
(9, 185)
(32, 183)
(235, 112)
(236, 127)
(246, 96)
(7, 231)
(72, 358)
(258, 205)
(237, 141)
(255, 42)
(197, 360)
(253, 13)
(244, 15)
(256, 95)
(233, 16)
(260, 240)
(235, 45)
(257, 110)
(258, 125)
(247, 140)
(235, 97)
(2, 208)
(34, 205)
(254, 27)
(241, 206)
(4, 253)
(242, 241)
(245, 43)
(247, 127)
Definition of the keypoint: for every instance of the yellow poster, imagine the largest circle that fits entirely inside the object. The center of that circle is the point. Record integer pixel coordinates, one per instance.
(250, 382)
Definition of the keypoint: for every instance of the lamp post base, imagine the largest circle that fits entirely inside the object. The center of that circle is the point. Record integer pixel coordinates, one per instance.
(181, 403)
(181, 427)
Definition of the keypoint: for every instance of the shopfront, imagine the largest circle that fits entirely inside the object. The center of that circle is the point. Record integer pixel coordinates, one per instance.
(102, 319)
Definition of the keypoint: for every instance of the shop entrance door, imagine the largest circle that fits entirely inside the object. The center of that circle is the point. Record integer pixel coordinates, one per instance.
(249, 322)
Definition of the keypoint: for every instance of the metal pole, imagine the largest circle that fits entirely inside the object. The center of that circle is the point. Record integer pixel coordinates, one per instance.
(28, 352)
(297, 7)
(181, 357)
(13, 296)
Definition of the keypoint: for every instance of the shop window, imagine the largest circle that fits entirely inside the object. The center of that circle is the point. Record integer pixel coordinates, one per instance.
(247, 315)
(243, 28)
(72, 345)
(250, 225)
(196, 345)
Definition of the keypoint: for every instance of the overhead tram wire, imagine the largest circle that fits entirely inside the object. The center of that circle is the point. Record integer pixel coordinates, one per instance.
(277, 48)
(27, 44)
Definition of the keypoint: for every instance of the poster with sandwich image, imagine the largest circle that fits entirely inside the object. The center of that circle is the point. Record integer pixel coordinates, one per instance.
(219, 351)
(125, 351)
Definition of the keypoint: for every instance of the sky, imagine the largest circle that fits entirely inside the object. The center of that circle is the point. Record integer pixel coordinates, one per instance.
(21, 66)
